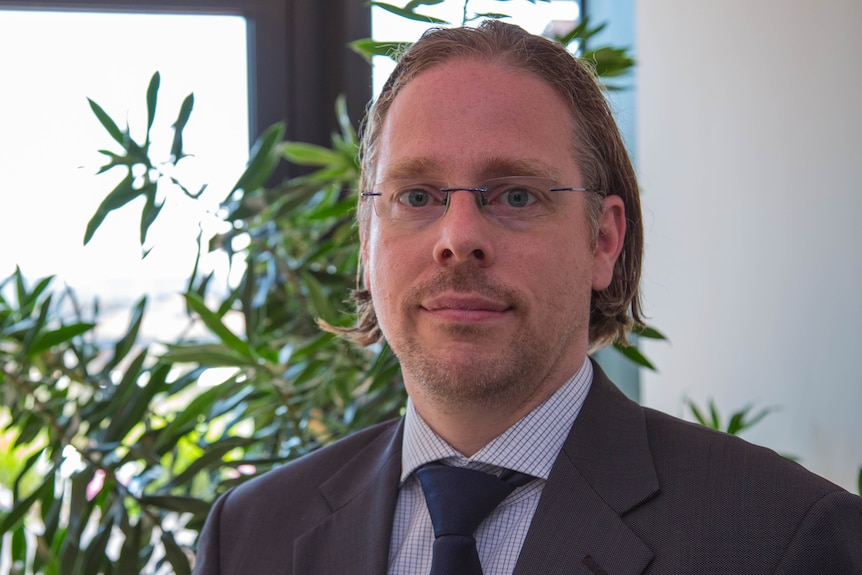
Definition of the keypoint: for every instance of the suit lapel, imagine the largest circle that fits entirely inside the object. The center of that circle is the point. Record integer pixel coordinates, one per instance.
(604, 470)
(355, 537)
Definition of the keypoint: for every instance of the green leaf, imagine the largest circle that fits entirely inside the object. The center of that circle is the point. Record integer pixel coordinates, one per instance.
(184, 418)
(107, 122)
(152, 97)
(151, 210)
(175, 555)
(51, 518)
(124, 344)
(95, 556)
(320, 303)
(20, 286)
(214, 355)
(94, 413)
(179, 126)
(38, 325)
(648, 332)
(69, 552)
(265, 155)
(408, 12)
(610, 62)
(347, 143)
(215, 325)
(19, 545)
(713, 414)
(37, 456)
(698, 415)
(582, 32)
(47, 340)
(116, 161)
(308, 154)
(117, 198)
(128, 562)
(739, 421)
(368, 48)
(214, 454)
(632, 353)
(176, 503)
(414, 4)
(21, 507)
(137, 154)
(40, 288)
(324, 212)
(490, 15)
(133, 412)
(30, 427)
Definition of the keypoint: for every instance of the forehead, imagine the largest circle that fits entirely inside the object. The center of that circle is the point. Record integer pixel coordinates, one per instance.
(471, 118)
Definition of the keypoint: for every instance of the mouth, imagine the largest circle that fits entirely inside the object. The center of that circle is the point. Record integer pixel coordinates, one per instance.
(465, 307)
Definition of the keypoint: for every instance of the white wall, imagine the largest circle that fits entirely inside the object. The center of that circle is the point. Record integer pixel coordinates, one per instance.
(749, 145)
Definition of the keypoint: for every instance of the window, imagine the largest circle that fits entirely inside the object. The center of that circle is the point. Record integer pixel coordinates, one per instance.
(535, 18)
(264, 60)
(48, 145)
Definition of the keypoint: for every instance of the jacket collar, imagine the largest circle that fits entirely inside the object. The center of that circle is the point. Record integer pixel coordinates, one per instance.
(362, 495)
(604, 470)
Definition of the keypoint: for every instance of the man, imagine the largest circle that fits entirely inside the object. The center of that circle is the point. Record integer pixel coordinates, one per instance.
(501, 241)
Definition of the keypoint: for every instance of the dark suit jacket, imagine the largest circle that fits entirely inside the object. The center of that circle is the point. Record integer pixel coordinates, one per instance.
(633, 491)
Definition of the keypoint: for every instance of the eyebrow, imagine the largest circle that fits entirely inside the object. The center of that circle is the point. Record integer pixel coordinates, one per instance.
(502, 166)
(411, 168)
(494, 168)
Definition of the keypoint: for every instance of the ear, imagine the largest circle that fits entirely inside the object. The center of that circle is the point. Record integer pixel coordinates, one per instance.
(609, 244)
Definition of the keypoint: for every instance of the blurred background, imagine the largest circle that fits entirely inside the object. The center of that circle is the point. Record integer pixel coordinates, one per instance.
(742, 118)
(748, 130)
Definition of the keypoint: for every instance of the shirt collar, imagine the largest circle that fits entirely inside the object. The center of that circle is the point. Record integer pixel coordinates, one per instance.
(530, 446)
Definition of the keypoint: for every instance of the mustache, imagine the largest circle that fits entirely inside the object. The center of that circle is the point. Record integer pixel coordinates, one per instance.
(463, 280)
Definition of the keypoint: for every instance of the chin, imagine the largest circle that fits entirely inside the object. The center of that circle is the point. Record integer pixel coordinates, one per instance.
(465, 377)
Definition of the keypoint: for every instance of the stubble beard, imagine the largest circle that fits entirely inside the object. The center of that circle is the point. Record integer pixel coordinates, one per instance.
(509, 376)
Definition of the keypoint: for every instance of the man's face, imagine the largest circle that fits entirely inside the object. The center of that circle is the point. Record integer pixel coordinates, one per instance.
(481, 312)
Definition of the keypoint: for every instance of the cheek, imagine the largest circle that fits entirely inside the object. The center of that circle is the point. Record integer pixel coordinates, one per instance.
(373, 258)
(390, 265)
(561, 272)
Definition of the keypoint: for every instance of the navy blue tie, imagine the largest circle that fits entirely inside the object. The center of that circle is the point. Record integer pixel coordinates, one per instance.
(458, 501)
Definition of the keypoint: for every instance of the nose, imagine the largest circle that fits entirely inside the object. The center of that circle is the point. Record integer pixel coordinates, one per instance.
(465, 233)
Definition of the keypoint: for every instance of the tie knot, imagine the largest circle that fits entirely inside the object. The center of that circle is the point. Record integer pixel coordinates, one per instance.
(459, 499)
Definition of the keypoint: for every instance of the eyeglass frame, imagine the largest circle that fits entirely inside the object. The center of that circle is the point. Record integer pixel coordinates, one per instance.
(481, 191)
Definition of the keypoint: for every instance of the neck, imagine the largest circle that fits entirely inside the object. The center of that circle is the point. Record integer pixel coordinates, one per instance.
(468, 408)
(468, 427)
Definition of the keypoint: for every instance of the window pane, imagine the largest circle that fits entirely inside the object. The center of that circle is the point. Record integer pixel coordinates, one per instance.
(533, 17)
(52, 62)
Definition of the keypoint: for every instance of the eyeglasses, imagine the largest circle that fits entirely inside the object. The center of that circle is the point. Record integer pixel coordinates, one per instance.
(509, 198)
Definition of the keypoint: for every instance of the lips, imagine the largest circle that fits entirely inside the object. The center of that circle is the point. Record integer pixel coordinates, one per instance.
(465, 308)
(464, 303)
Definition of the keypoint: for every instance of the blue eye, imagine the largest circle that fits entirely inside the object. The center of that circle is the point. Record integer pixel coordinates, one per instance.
(517, 197)
(415, 198)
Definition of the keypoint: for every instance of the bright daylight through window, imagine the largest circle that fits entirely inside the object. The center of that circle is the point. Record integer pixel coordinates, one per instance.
(52, 62)
(535, 18)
